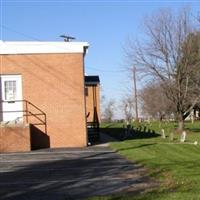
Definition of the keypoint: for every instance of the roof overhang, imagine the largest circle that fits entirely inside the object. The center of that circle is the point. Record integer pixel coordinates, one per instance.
(91, 83)
(22, 47)
(92, 80)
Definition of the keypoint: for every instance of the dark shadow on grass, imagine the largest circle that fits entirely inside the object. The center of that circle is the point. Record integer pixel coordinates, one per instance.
(129, 134)
(196, 130)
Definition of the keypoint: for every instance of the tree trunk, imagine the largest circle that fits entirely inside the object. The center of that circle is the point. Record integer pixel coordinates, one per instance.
(180, 122)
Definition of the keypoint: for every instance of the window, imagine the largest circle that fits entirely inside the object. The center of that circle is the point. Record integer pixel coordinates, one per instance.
(10, 90)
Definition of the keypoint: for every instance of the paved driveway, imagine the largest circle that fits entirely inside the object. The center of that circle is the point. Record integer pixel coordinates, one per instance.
(64, 174)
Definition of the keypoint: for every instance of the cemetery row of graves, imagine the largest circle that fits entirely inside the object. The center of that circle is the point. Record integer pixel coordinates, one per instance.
(171, 158)
(165, 130)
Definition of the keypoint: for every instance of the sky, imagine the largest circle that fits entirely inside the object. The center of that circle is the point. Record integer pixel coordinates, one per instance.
(105, 25)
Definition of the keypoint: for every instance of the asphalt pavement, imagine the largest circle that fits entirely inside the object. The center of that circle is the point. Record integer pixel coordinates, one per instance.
(65, 174)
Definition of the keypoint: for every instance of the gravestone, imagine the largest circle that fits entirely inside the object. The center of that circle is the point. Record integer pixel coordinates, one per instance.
(192, 117)
(163, 133)
(195, 143)
(171, 136)
(183, 136)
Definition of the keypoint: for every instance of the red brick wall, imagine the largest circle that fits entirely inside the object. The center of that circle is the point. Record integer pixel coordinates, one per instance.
(13, 139)
(54, 83)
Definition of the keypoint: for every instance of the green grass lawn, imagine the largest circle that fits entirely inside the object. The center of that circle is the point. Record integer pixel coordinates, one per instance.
(176, 165)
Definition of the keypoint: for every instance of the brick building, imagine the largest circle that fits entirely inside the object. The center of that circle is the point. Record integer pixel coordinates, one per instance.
(92, 93)
(92, 88)
(49, 78)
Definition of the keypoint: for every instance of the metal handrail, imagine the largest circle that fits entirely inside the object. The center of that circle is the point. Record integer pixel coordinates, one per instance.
(29, 113)
(36, 116)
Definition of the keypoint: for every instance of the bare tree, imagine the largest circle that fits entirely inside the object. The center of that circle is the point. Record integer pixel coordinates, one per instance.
(165, 56)
(108, 111)
(128, 107)
(154, 103)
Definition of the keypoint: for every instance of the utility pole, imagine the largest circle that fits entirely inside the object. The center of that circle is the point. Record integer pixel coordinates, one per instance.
(135, 94)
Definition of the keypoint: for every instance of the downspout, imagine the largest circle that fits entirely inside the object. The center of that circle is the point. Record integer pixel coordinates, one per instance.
(85, 49)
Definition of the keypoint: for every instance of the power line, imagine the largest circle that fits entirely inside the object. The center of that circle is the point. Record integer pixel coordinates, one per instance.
(19, 33)
(26, 35)
(109, 71)
(36, 39)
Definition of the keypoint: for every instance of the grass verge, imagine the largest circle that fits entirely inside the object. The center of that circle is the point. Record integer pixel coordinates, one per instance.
(176, 165)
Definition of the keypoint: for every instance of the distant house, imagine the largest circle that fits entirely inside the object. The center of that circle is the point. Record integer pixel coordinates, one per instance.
(42, 93)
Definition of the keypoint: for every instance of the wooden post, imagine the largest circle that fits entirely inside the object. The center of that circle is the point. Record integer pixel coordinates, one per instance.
(135, 94)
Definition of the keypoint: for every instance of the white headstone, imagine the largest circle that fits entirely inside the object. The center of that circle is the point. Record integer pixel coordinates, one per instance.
(163, 133)
(171, 136)
(183, 136)
(195, 143)
(192, 116)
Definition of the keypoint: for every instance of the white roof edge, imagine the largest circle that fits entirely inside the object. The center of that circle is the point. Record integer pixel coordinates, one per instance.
(26, 47)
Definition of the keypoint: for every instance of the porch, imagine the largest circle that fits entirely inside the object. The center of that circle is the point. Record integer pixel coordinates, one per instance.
(25, 131)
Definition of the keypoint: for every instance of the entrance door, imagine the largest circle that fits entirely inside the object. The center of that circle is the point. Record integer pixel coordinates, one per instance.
(11, 93)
